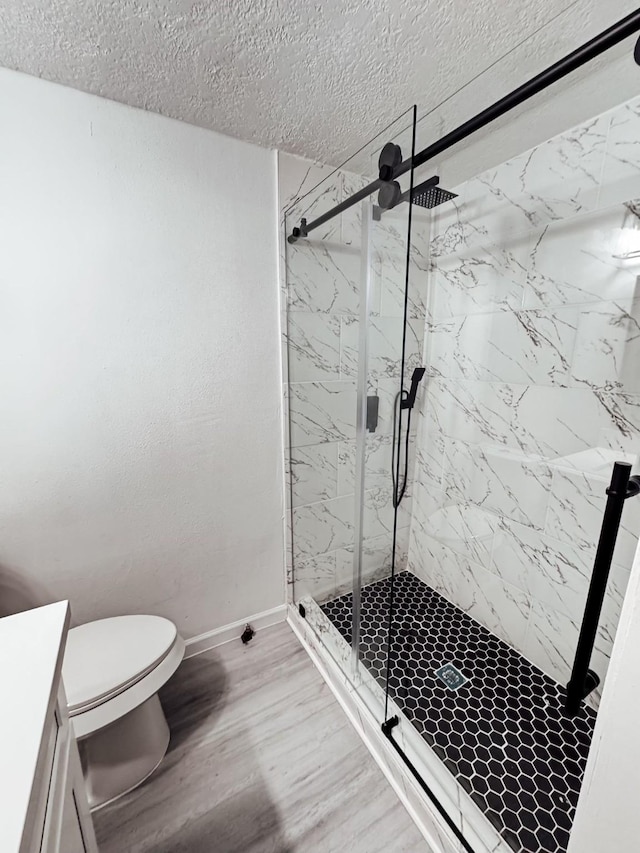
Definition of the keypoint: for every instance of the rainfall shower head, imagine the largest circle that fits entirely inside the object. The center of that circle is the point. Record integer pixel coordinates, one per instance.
(427, 194)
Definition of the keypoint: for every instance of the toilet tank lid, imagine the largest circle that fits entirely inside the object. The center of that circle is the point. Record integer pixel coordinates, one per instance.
(107, 656)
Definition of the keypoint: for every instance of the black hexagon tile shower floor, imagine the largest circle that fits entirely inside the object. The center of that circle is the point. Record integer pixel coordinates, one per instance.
(502, 732)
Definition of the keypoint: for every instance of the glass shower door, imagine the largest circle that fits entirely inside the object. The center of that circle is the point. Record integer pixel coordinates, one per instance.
(345, 339)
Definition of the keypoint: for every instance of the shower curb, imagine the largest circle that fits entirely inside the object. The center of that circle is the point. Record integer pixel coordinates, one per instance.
(433, 829)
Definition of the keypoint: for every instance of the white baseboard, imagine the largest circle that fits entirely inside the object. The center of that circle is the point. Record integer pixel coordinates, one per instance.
(219, 636)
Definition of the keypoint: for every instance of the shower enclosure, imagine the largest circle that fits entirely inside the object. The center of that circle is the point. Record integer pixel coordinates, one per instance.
(462, 352)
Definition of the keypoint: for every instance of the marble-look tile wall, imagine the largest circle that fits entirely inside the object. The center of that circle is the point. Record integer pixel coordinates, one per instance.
(321, 287)
(533, 352)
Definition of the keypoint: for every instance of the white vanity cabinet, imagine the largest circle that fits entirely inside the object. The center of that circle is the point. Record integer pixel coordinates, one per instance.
(45, 807)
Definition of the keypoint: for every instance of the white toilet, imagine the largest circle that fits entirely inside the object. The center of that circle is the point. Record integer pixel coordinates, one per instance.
(112, 671)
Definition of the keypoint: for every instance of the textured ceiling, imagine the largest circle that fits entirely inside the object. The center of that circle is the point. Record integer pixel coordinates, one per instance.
(313, 78)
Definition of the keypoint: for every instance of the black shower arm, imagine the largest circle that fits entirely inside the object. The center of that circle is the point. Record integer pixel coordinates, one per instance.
(571, 62)
(584, 680)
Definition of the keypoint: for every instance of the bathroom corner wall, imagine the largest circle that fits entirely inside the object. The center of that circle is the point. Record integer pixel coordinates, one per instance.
(320, 301)
(140, 414)
(533, 347)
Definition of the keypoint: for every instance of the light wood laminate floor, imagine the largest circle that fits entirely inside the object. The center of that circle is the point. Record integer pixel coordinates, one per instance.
(262, 760)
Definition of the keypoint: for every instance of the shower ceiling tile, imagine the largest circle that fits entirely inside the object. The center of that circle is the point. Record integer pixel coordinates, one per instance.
(321, 411)
(323, 277)
(313, 346)
(607, 350)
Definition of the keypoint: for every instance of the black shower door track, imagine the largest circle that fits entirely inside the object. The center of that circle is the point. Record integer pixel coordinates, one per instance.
(387, 730)
(571, 62)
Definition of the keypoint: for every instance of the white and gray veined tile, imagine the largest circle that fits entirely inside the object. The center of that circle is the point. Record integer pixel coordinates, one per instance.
(378, 512)
(322, 527)
(300, 178)
(323, 277)
(351, 219)
(321, 411)
(551, 421)
(377, 557)
(313, 346)
(576, 508)
(501, 480)
(526, 347)
(377, 465)
(551, 640)
(464, 528)
(430, 455)
(557, 179)
(314, 203)
(623, 411)
(314, 473)
(470, 410)
(621, 171)
(392, 272)
(385, 337)
(316, 576)
(607, 350)
(553, 572)
(573, 262)
(503, 609)
(456, 228)
(487, 278)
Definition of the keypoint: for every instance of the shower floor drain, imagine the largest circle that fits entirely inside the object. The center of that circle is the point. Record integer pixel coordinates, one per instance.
(502, 733)
(451, 676)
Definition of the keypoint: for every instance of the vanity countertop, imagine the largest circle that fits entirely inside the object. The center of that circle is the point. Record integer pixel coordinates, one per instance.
(31, 652)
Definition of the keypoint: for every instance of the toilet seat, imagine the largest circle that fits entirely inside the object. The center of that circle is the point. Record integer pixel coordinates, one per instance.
(113, 665)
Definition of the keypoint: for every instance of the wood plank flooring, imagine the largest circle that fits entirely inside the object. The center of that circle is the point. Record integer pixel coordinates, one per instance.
(261, 760)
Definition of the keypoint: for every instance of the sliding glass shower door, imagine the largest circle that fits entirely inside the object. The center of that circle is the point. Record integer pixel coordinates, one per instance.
(347, 347)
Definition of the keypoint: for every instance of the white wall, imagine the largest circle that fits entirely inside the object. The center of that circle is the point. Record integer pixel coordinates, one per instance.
(140, 411)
